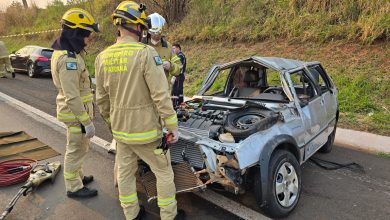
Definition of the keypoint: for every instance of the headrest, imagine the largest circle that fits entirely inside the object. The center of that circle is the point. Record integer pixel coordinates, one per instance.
(251, 76)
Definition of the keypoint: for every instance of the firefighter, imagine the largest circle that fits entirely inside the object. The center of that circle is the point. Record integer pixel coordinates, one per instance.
(133, 98)
(171, 63)
(74, 99)
(5, 64)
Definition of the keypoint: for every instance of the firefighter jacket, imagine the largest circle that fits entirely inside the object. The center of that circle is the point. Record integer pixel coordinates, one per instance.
(3, 51)
(132, 92)
(71, 78)
(164, 50)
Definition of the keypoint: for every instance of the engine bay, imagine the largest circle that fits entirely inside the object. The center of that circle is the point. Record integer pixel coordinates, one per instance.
(226, 122)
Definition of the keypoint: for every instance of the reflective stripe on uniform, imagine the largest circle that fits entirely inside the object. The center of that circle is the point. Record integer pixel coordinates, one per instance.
(171, 120)
(75, 129)
(71, 176)
(158, 151)
(84, 117)
(128, 199)
(135, 136)
(124, 48)
(66, 117)
(175, 58)
(127, 45)
(87, 98)
(166, 201)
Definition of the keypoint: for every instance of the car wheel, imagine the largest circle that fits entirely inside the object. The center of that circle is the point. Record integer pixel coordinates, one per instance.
(243, 123)
(31, 70)
(284, 184)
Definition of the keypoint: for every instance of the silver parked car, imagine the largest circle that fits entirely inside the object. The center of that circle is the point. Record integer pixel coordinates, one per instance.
(253, 123)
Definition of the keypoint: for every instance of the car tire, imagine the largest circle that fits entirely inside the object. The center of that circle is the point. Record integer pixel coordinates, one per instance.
(31, 70)
(284, 179)
(258, 120)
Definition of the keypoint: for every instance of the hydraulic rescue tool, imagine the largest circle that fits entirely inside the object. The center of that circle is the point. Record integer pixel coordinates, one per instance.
(39, 174)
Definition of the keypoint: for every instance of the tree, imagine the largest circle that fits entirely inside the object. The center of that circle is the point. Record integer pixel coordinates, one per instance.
(171, 10)
(25, 3)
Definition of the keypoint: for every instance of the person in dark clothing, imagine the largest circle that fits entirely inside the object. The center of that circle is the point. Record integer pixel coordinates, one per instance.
(177, 87)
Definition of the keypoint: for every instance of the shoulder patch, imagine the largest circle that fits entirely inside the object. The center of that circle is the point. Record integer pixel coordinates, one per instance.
(158, 60)
(71, 65)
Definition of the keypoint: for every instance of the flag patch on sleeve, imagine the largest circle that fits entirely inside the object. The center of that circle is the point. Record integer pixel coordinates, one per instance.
(158, 60)
(71, 65)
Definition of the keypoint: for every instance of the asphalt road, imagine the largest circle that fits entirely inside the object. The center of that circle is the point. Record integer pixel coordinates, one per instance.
(338, 194)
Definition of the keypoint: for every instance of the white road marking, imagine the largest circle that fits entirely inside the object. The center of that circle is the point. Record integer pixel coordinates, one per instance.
(229, 205)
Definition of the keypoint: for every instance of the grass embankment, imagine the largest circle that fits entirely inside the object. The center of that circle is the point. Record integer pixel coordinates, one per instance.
(362, 21)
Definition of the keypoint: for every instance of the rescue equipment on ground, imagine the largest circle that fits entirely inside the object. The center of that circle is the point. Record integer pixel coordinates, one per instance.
(38, 174)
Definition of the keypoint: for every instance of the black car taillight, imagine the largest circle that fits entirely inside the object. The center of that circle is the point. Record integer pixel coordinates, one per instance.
(42, 59)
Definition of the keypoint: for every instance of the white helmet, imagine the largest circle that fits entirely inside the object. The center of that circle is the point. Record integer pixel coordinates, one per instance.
(156, 23)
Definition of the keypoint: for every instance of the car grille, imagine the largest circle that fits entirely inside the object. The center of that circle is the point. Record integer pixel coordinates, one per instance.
(192, 153)
(184, 179)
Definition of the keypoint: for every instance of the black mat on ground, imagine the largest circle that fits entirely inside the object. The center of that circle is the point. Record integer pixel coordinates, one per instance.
(22, 145)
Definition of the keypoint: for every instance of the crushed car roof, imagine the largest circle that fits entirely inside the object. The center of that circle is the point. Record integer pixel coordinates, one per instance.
(276, 63)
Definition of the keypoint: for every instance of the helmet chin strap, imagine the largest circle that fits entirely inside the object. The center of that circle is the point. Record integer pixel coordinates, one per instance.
(154, 42)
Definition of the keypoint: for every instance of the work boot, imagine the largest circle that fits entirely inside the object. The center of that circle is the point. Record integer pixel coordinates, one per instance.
(141, 213)
(13, 74)
(87, 179)
(181, 215)
(82, 193)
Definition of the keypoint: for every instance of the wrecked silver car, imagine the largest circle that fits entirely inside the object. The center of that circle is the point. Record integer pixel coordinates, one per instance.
(252, 124)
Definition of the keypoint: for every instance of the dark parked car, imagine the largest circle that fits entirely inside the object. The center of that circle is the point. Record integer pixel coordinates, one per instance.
(32, 59)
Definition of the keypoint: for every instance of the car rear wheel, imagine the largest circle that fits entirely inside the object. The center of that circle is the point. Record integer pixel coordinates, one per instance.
(31, 70)
(284, 183)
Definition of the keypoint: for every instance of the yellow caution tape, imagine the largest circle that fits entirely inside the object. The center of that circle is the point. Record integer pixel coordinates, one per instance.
(31, 33)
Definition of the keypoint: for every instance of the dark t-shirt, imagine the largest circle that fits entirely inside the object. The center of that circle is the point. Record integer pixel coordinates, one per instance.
(183, 60)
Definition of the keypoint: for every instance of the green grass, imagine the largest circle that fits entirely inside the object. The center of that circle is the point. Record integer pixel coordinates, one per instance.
(385, 155)
(296, 20)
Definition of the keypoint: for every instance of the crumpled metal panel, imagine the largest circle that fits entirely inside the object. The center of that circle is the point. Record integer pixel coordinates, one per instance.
(280, 63)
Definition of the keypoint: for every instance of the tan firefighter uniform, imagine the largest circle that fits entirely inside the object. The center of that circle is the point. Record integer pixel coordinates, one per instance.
(163, 49)
(74, 108)
(132, 95)
(5, 64)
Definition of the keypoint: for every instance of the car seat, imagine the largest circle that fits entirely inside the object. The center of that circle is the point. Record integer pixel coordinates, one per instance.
(251, 77)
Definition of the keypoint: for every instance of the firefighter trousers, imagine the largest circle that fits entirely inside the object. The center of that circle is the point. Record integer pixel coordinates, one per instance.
(160, 164)
(77, 147)
(5, 66)
(177, 89)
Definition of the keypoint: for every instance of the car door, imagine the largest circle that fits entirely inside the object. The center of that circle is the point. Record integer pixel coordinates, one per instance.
(25, 57)
(16, 58)
(327, 91)
(313, 111)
